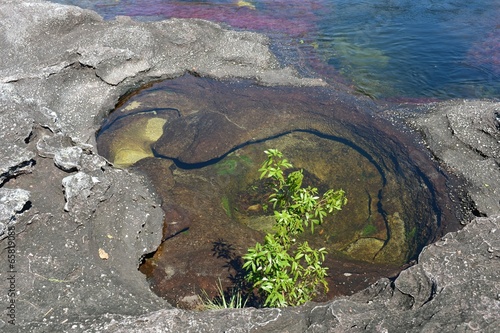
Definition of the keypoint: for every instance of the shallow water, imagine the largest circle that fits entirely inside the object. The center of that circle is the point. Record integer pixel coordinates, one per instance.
(201, 142)
(396, 49)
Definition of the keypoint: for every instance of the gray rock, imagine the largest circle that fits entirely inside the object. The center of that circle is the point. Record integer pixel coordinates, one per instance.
(63, 70)
(91, 57)
(77, 189)
(68, 159)
(12, 202)
(442, 293)
(476, 126)
(49, 145)
(15, 129)
(464, 136)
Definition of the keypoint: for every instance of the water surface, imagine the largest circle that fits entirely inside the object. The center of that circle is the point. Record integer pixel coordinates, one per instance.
(395, 49)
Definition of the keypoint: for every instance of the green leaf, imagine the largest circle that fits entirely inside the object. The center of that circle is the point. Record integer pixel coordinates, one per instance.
(284, 272)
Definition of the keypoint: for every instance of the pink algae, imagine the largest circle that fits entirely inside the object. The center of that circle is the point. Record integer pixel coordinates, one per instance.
(294, 17)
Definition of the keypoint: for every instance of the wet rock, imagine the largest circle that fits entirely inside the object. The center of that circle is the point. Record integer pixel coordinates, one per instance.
(133, 143)
(396, 249)
(205, 132)
(437, 294)
(56, 87)
(131, 54)
(365, 248)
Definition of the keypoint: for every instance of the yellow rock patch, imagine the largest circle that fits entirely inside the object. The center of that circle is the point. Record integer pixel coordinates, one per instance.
(133, 143)
(375, 250)
(242, 3)
(396, 250)
(132, 106)
(154, 129)
(365, 248)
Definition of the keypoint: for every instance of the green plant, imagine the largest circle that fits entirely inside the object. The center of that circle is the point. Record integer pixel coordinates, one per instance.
(284, 271)
(411, 234)
(226, 205)
(368, 230)
(231, 300)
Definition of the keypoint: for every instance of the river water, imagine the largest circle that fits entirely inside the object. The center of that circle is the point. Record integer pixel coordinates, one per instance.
(386, 49)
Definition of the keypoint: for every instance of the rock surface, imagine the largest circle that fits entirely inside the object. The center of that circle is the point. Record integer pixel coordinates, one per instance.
(63, 69)
(442, 293)
(465, 135)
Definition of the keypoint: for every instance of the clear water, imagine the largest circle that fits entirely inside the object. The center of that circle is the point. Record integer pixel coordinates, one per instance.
(207, 178)
(384, 48)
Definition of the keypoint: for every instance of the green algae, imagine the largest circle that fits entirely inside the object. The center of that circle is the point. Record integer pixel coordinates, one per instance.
(360, 64)
(230, 164)
(368, 230)
(396, 250)
(224, 201)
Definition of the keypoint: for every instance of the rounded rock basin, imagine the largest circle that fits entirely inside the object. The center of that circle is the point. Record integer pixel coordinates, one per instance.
(200, 142)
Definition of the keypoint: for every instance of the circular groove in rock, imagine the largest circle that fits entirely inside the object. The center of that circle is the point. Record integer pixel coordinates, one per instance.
(208, 122)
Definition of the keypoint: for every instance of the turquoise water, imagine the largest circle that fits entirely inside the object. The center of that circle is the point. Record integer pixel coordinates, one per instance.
(394, 49)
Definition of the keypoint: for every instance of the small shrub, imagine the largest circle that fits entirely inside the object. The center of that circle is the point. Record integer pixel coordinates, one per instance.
(284, 271)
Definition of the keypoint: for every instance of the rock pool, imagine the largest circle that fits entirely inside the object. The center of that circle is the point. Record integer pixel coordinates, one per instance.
(201, 142)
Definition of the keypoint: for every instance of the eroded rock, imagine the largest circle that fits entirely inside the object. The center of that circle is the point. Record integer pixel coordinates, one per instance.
(53, 76)
(77, 189)
(437, 294)
(12, 202)
(68, 159)
(464, 135)
(16, 126)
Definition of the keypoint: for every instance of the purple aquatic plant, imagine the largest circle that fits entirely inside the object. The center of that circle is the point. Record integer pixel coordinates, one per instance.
(293, 17)
(486, 53)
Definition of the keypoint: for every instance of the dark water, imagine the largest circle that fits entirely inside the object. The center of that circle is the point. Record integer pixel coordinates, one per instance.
(397, 49)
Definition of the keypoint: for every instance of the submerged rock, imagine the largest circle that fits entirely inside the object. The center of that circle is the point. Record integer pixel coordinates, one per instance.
(441, 293)
(396, 249)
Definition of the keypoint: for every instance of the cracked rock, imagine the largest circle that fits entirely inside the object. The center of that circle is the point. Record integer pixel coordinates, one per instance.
(48, 146)
(12, 201)
(68, 159)
(77, 188)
